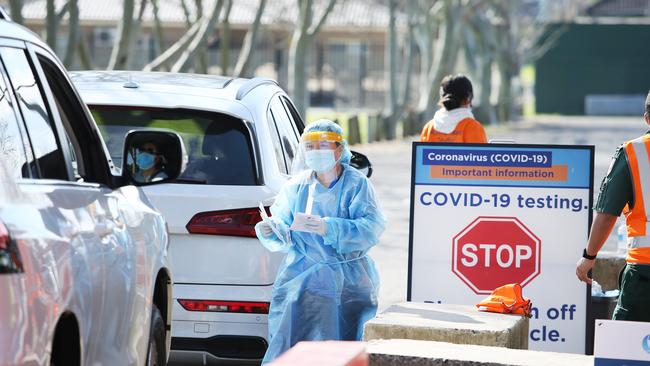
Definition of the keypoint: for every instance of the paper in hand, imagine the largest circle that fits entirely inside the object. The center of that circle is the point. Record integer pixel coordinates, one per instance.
(305, 222)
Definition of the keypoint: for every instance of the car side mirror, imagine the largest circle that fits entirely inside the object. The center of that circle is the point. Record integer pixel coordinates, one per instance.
(153, 156)
(361, 163)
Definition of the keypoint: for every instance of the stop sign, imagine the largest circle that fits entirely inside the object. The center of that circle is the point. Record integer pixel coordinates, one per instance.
(494, 251)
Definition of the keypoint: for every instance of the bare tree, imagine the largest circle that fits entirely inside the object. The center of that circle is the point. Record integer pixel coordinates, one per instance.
(51, 24)
(445, 50)
(137, 25)
(16, 9)
(172, 52)
(201, 58)
(399, 81)
(393, 88)
(480, 49)
(84, 58)
(244, 60)
(303, 37)
(73, 33)
(437, 37)
(521, 37)
(224, 39)
(119, 55)
(206, 26)
(157, 26)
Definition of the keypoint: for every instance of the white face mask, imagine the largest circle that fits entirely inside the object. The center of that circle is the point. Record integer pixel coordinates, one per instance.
(320, 161)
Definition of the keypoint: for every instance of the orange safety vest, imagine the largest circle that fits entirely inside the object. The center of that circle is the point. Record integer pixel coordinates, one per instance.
(637, 153)
(467, 130)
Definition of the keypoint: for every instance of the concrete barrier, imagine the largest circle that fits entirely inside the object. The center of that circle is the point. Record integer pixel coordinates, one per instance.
(460, 324)
(327, 353)
(606, 269)
(404, 352)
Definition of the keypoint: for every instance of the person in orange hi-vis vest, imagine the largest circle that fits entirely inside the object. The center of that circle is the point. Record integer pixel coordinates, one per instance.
(626, 188)
(454, 121)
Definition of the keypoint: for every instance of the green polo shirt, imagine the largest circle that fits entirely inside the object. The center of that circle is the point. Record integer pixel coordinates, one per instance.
(616, 189)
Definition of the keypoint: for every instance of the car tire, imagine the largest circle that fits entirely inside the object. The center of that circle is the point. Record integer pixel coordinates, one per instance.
(156, 350)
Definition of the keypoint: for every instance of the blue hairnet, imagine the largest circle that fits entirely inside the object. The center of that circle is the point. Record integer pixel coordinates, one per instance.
(321, 125)
(326, 288)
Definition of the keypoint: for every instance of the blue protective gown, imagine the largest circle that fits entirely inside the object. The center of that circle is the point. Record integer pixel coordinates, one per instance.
(326, 288)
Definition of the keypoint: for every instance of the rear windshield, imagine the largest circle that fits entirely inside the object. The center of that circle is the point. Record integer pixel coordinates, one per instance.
(218, 146)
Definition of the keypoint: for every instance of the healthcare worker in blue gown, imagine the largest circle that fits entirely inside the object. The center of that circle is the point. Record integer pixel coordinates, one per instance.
(325, 218)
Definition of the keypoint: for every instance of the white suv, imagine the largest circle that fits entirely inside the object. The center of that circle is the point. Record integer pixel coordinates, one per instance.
(241, 136)
(84, 277)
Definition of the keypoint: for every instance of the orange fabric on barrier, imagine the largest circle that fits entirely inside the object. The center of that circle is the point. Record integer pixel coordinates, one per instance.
(507, 299)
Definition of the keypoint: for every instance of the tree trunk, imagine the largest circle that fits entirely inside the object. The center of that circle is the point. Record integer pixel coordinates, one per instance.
(158, 32)
(297, 72)
(84, 58)
(447, 49)
(51, 25)
(486, 44)
(186, 12)
(224, 42)
(408, 61)
(506, 63)
(73, 33)
(201, 59)
(409, 45)
(207, 26)
(119, 55)
(244, 60)
(425, 42)
(137, 26)
(302, 39)
(393, 86)
(16, 9)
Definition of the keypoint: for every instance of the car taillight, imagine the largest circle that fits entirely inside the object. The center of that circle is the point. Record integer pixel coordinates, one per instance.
(247, 307)
(10, 261)
(229, 222)
(4, 237)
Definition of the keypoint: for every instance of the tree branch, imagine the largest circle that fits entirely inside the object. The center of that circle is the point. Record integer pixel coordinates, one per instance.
(207, 25)
(73, 33)
(174, 50)
(244, 59)
(312, 32)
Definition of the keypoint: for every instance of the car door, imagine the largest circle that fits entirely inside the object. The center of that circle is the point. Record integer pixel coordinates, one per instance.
(77, 268)
(127, 286)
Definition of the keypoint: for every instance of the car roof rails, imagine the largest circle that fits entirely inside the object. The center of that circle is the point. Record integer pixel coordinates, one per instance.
(4, 15)
(251, 84)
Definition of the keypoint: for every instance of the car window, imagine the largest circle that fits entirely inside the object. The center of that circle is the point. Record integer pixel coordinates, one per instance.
(12, 145)
(70, 112)
(293, 114)
(277, 143)
(288, 134)
(218, 146)
(49, 162)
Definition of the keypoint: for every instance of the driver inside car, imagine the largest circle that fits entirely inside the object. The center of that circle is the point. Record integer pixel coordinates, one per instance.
(149, 163)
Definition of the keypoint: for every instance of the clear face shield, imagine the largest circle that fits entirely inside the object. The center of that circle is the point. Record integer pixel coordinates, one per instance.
(320, 152)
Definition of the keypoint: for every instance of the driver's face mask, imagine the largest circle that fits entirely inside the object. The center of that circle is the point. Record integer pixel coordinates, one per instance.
(145, 160)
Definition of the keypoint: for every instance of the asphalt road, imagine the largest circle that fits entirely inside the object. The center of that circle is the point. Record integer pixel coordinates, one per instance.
(392, 178)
